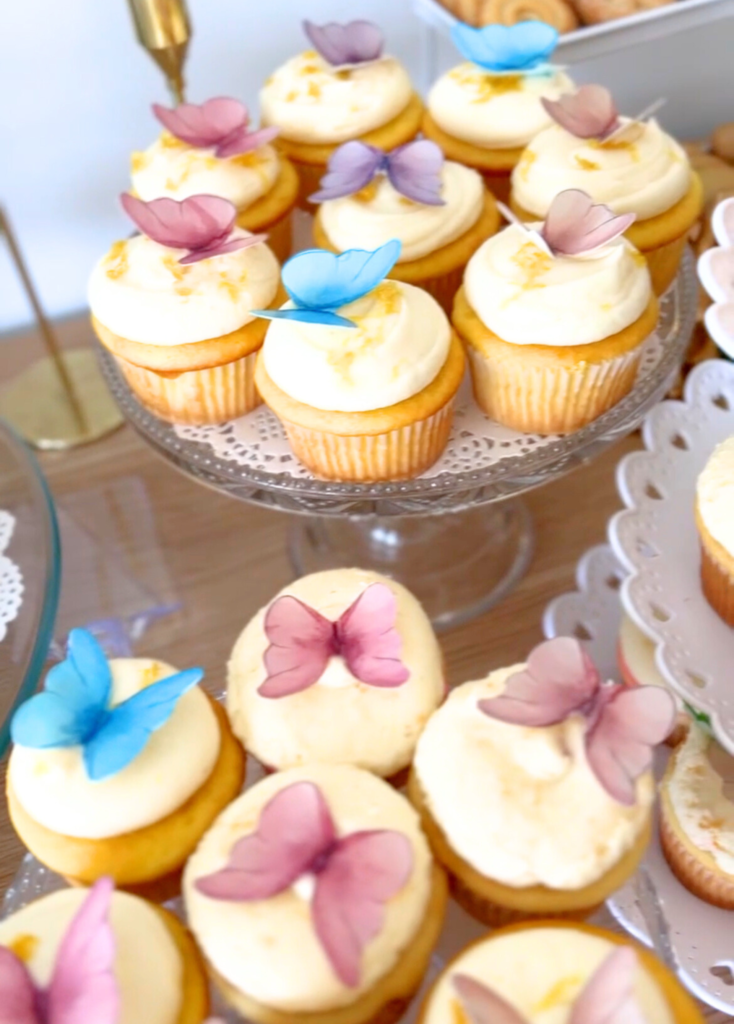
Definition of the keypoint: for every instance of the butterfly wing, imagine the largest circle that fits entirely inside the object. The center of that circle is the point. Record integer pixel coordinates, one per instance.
(370, 644)
(300, 647)
(351, 167)
(415, 171)
(365, 871)
(203, 125)
(608, 997)
(575, 224)
(17, 991)
(482, 1005)
(295, 828)
(353, 43)
(321, 280)
(588, 113)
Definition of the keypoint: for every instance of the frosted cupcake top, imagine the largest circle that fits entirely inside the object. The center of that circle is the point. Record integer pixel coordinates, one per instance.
(372, 665)
(715, 494)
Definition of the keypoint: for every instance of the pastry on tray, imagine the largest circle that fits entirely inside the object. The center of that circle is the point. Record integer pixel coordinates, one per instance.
(95, 956)
(361, 371)
(592, 12)
(344, 88)
(440, 211)
(534, 785)
(314, 898)
(558, 13)
(554, 317)
(119, 768)
(485, 111)
(629, 164)
(714, 512)
(341, 666)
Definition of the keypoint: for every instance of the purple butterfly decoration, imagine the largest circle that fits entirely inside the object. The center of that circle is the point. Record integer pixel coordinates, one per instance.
(575, 224)
(302, 641)
(608, 997)
(201, 224)
(589, 113)
(83, 989)
(414, 170)
(346, 46)
(623, 723)
(355, 875)
(220, 124)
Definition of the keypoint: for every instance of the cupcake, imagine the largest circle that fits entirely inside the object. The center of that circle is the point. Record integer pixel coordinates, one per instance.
(439, 211)
(361, 372)
(534, 785)
(697, 817)
(94, 955)
(715, 523)
(174, 306)
(631, 165)
(637, 667)
(343, 89)
(561, 972)
(119, 768)
(314, 898)
(554, 318)
(485, 111)
(343, 646)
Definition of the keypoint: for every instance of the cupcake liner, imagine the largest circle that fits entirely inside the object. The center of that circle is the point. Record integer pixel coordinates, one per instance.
(717, 584)
(310, 176)
(494, 915)
(664, 262)
(706, 883)
(499, 184)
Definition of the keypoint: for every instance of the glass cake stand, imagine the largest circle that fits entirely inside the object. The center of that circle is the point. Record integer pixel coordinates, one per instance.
(457, 536)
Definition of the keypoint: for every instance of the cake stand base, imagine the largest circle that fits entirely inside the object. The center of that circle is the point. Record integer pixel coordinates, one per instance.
(458, 564)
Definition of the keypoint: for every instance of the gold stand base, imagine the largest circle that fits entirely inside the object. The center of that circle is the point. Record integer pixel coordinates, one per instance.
(38, 406)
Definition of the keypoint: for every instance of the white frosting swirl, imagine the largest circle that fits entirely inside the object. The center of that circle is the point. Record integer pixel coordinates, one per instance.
(140, 291)
(312, 102)
(52, 785)
(494, 111)
(527, 297)
(400, 344)
(378, 213)
(715, 495)
(268, 949)
(499, 793)
(540, 972)
(148, 967)
(172, 168)
(644, 172)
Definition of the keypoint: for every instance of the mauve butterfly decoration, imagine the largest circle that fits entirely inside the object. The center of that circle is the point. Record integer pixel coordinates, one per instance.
(607, 998)
(83, 989)
(716, 273)
(302, 642)
(355, 875)
(319, 282)
(413, 170)
(507, 49)
(221, 124)
(623, 723)
(202, 225)
(589, 113)
(347, 46)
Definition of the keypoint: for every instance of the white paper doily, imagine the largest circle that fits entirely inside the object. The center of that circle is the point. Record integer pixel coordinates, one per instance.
(11, 578)
(656, 540)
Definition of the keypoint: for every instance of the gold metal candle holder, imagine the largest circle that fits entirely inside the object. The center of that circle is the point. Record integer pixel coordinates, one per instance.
(164, 30)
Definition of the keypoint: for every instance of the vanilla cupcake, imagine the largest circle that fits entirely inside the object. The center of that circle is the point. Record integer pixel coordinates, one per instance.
(715, 523)
(102, 956)
(526, 790)
(632, 166)
(485, 111)
(344, 88)
(637, 667)
(439, 211)
(371, 663)
(174, 306)
(119, 768)
(362, 372)
(554, 318)
(314, 897)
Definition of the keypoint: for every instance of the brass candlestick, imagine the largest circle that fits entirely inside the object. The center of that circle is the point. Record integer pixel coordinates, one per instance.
(163, 29)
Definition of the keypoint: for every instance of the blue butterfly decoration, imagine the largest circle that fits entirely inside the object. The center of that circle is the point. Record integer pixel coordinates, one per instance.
(320, 282)
(507, 48)
(73, 710)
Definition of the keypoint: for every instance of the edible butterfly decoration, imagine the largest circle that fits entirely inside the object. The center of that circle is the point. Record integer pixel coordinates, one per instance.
(319, 282)
(607, 998)
(83, 989)
(507, 49)
(623, 723)
(302, 641)
(355, 875)
(414, 170)
(221, 124)
(202, 225)
(591, 113)
(346, 46)
(73, 710)
(716, 273)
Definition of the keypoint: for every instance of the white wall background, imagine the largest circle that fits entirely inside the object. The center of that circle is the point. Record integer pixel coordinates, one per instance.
(76, 92)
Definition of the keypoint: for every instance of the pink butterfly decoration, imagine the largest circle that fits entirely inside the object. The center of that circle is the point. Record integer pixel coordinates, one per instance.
(200, 224)
(608, 997)
(589, 113)
(355, 875)
(83, 988)
(220, 124)
(623, 723)
(302, 641)
(575, 224)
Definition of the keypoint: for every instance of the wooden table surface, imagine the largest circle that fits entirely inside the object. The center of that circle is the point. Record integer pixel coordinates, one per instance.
(224, 559)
